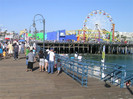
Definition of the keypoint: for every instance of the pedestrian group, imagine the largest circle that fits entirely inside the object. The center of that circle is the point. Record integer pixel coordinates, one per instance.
(46, 58)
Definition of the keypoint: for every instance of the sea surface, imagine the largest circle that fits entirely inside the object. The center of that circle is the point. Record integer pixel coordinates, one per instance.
(118, 59)
(126, 60)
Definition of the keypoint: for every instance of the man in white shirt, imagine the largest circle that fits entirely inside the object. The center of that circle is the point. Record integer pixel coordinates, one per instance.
(51, 61)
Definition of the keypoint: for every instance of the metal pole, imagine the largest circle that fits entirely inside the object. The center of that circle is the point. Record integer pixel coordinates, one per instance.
(43, 29)
(43, 35)
(113, 31)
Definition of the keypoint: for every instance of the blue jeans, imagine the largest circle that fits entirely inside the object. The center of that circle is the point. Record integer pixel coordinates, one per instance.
(27, 62)
(51, 67)
(22, 50)
(15, 55)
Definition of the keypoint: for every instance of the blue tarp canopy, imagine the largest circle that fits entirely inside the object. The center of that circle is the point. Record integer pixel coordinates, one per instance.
(22, 40)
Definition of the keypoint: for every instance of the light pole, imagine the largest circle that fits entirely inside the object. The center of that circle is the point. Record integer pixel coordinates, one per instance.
(34, 25)
(30, 28)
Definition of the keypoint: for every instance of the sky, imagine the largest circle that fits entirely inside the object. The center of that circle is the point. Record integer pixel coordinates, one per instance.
(16, 15)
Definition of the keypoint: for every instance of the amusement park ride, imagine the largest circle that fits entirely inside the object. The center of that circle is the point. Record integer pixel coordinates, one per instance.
(98, 26)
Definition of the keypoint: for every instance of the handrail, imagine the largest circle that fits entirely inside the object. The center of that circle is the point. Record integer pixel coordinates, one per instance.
(80, 70)
(71, 68)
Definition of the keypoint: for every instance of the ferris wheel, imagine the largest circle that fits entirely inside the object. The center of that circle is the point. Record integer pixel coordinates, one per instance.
(100, 17)
(97, 20)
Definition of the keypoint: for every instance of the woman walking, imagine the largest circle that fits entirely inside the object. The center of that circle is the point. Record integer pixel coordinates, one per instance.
(46, 59)
(41, 61)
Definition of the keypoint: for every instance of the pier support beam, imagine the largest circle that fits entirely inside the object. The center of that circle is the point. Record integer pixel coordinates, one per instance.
(125, 49)
(108, 49)
(91, 49)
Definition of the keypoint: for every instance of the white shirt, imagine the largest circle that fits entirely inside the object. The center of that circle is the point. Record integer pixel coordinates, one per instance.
(76, 55)
(31, 47)
(34, 45)
(51, 56)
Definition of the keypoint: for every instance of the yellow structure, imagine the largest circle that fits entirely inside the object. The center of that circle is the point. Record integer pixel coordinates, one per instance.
(23, 31)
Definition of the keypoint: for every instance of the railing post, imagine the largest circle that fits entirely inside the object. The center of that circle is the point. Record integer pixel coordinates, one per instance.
(123, 76)
(113, 79)
(101, 69)
(77, 69)
(83, 75)
(73, 68)
(66, 66)
(92, 69)
(131, 82)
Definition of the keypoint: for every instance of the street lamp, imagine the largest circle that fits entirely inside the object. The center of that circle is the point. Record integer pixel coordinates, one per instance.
(34, 25)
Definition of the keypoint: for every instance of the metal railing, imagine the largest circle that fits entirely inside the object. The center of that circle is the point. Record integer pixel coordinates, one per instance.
(73, 68)
(81, 69)
(113, 73)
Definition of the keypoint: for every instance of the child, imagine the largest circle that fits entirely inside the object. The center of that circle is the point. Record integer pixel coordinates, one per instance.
(4, 53)
(58, 66)
(128, 83)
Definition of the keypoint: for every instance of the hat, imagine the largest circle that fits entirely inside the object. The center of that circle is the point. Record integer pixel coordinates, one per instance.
(51, 49)
(47, 50)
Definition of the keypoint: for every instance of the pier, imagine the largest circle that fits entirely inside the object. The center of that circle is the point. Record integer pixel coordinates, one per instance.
(92, 48)
(16, 83)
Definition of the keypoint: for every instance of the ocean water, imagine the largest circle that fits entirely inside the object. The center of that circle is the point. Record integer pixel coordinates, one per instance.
(126, 60)
(118, 59)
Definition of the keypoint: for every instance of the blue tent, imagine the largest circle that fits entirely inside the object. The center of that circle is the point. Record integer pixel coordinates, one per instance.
(22, 40)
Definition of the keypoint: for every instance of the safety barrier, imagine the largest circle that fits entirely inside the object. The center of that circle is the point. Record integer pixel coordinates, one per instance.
(81, 69)
(74, 69)
(108, 72)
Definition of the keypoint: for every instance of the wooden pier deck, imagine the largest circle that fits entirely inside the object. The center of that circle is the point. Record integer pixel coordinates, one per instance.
(16, 83)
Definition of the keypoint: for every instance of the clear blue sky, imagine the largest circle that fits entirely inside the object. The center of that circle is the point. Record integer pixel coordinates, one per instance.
(63, 14)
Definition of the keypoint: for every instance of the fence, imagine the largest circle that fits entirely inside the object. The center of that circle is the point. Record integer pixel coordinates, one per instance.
(112, 73)
(75, 69)
(81, 69)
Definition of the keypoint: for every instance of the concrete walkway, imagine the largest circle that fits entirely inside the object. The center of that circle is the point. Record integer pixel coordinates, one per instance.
(16, 83)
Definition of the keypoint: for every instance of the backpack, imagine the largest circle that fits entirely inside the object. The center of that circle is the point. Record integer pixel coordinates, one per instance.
(47, 57)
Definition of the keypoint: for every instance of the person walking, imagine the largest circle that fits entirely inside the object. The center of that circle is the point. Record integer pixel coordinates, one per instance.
(10, 49)
(5, 47)
(1, 52)
(26, 54)
(22, 48)
(15, 50)
(30, 61)
(46, 59)
(19, 47)
(51, 61)
(41, 61)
